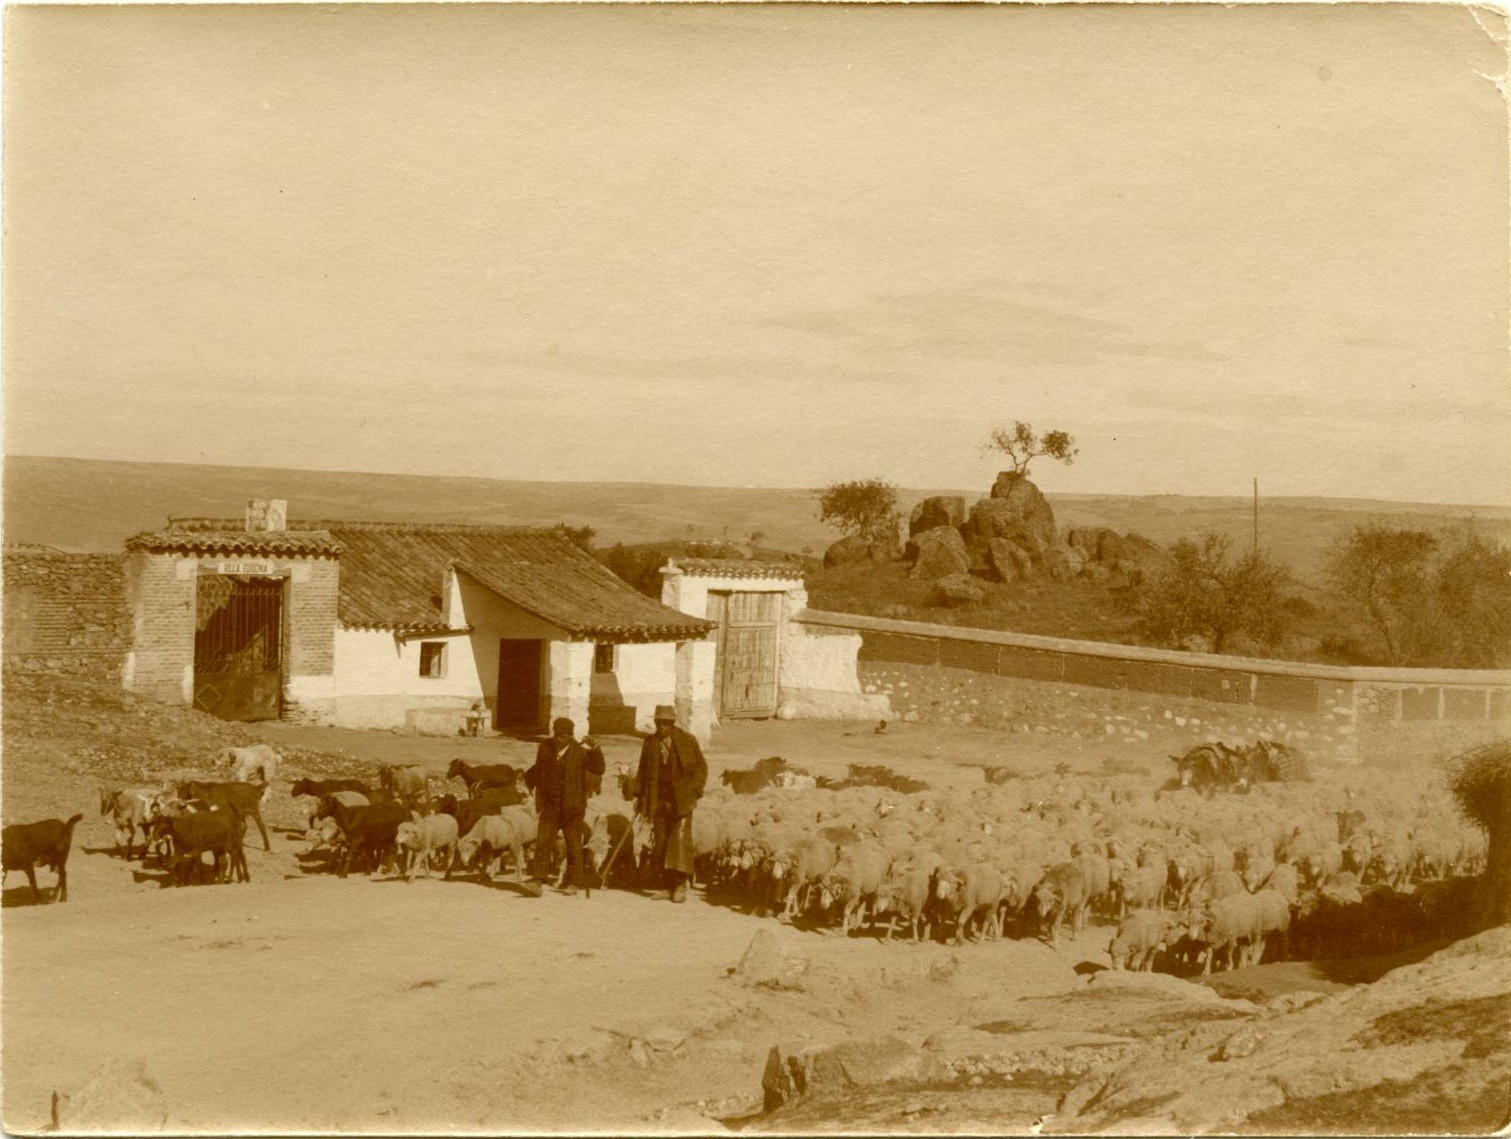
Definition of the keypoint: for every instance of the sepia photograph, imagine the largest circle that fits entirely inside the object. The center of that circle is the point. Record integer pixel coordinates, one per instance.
(688, 568)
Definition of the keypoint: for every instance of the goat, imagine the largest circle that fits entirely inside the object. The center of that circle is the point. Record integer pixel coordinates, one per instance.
(29, 845)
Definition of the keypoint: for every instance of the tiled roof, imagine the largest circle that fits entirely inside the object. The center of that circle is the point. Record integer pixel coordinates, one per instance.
(737, 567)
(230, 540)
(392, 575)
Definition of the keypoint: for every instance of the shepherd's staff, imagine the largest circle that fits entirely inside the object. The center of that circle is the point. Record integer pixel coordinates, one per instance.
(613, 854)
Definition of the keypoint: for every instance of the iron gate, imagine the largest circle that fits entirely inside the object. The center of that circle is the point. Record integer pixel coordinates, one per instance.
(238, 647)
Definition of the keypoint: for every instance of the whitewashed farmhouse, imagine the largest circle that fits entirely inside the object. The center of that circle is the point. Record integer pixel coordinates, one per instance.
(380, 624)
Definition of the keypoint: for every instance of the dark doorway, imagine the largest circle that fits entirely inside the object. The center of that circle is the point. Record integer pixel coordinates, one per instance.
(518, 706)
(238, 647)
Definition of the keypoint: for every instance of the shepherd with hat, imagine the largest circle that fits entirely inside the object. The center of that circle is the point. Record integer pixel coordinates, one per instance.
(566, 774)
(668, 784)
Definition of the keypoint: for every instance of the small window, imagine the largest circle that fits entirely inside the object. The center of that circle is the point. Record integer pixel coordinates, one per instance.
(433, 658)
(603, 657)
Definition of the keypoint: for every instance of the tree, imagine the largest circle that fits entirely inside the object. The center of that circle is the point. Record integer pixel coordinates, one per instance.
(1021, 446)
(581, 536)
(1388, 571)
(1207, 595)
(865, 509)
(1472, 585)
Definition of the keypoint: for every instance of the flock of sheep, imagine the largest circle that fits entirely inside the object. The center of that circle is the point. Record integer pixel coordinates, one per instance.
(1342, 864)
(1339, 864)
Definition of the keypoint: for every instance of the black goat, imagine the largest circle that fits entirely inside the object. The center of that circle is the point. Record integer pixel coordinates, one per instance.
(46, 843)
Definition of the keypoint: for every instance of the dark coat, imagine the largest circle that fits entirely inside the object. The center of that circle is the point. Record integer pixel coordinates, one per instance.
(564, 784)
(689, 768)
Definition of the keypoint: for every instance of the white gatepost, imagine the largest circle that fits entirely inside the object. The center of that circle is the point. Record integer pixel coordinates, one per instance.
(571, 681)
(694, 698)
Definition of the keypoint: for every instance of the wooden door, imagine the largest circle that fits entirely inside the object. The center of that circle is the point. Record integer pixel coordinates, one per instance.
(746, 657)
(518, 706)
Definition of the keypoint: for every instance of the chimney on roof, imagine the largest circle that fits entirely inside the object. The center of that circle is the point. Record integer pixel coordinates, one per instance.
(267, 515)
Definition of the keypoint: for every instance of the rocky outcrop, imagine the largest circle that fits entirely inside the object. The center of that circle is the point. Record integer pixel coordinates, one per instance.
(852, 551)
(938, 553)
(1025, 519)
(1107, 552)
(940, 510)
(1008, 537)
(1423, 1040)
(839, 1071)
(1063, 562)
(1137, 558)
(1009, 533)
(1007, 562)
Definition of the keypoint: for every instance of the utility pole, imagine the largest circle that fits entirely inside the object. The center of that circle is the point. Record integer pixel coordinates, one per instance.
(1256, 516)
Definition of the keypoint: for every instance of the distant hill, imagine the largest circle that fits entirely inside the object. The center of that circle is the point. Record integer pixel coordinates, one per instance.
(94, 505)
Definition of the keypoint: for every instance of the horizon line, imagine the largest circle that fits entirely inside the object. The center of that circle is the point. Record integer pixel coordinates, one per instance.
(1245, 497)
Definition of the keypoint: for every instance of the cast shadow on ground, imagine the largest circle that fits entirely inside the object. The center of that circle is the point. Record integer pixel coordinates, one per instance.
(21, 895)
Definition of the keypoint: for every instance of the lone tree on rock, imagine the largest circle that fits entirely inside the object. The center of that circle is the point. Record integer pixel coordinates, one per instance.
(865, 509)
(1022, 445)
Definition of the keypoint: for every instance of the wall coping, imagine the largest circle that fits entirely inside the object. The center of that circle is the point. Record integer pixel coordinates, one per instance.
(1405, 676)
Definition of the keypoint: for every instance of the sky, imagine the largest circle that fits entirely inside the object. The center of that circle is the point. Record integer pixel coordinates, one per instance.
(766, 245)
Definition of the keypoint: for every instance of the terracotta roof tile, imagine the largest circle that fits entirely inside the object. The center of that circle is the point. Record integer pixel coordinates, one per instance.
(738, 567)
(296, 543)
(392, 575)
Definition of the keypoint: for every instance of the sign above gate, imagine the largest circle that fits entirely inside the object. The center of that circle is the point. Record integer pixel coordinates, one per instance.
(264, 569)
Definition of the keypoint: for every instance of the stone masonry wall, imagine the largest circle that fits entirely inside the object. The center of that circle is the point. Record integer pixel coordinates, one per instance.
(65, 613)
(927, 693)
(1046, 685)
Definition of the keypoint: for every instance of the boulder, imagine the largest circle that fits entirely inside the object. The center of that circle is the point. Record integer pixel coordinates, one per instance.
(762, 960)
(1064, 562)
(958, 589)
(1111, 548)
(940, 510)
(1007, 561)
(1006, 483)
(836, 1072)
(1096, 573)
(940, 553)
(1138, 558)
(851, 551)
(1023, 516)
(1088, 539)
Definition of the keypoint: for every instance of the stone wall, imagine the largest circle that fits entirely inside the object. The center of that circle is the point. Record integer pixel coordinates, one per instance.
(65, 613)
(1090, 690)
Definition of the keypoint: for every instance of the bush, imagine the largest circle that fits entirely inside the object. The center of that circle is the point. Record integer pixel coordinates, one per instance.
(1481, 783)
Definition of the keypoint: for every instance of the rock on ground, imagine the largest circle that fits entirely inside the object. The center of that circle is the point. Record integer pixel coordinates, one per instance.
(1444, 1022)
(851, 551)
(958, 589)
(938, 510)
(940, 552)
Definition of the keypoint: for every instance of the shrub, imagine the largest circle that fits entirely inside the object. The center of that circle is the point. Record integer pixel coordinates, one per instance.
(1481, 783)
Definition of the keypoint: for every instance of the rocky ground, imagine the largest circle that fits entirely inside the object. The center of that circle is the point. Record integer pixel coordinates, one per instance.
(301, 1002)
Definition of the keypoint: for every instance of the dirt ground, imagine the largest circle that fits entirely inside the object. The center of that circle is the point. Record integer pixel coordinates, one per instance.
(305, 1003)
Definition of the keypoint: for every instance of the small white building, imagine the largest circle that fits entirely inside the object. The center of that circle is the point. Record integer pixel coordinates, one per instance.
(766, 660)
(378, 624)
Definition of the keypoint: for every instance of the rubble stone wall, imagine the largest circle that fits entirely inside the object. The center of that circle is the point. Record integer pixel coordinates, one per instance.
(1086, 690)
(65, 613)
